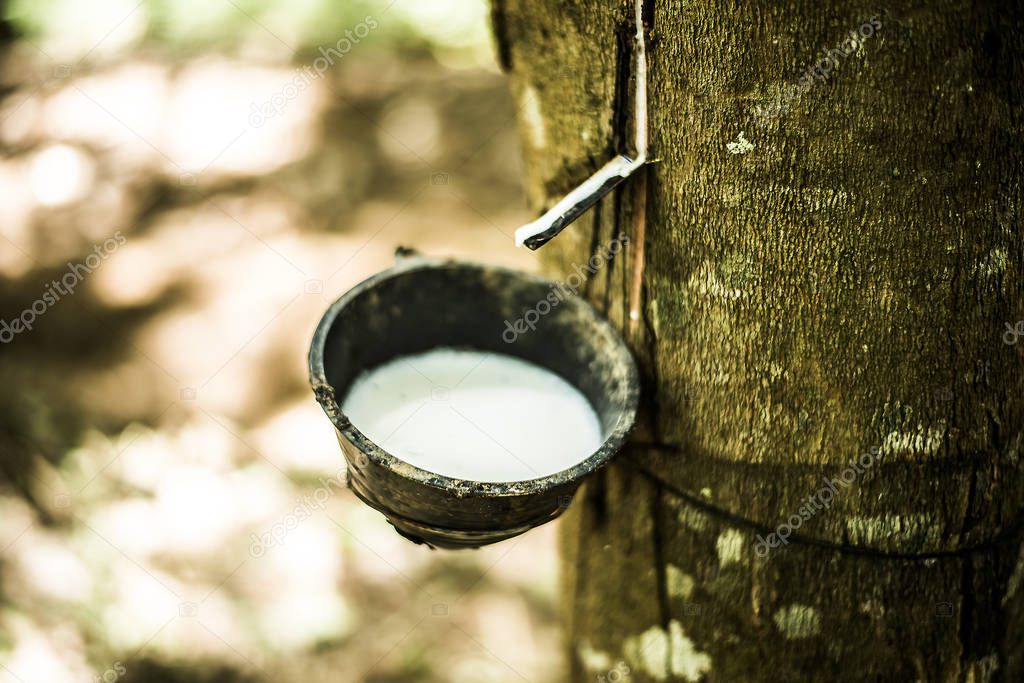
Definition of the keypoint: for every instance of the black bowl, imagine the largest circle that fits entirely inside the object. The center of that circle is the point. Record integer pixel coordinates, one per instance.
(420, 305)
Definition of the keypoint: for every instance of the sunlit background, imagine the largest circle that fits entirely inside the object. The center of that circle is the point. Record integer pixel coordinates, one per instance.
(214, 174)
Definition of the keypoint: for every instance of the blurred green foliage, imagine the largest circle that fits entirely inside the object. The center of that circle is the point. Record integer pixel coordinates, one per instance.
(72, 27)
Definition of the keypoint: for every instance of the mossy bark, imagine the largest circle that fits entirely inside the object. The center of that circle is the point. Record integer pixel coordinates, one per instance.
(830, 281)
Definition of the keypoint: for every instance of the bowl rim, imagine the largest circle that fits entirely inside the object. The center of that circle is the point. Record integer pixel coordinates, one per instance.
(465, 488)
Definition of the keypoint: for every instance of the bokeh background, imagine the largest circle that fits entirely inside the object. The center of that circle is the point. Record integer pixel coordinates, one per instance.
(156, 421)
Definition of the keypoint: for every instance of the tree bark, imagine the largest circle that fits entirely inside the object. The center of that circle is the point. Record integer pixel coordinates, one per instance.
(830, 283)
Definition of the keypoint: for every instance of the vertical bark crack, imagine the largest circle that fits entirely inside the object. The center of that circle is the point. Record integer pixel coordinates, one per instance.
(660, 560)
(966, 615)
(595, 244)
(499, 26)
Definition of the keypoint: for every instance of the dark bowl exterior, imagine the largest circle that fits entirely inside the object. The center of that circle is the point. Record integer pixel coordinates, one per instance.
(436, 515)
(404, 301)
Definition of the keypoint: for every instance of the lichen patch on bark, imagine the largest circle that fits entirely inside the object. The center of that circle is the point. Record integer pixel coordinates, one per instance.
(593, 660)
(659, 654)
(740, 145)
(798, 621)
(533, 118)
(678, 583)
(923, 440)
(729, 547)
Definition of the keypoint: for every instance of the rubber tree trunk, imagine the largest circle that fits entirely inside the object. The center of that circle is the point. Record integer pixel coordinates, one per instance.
(830, 259)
